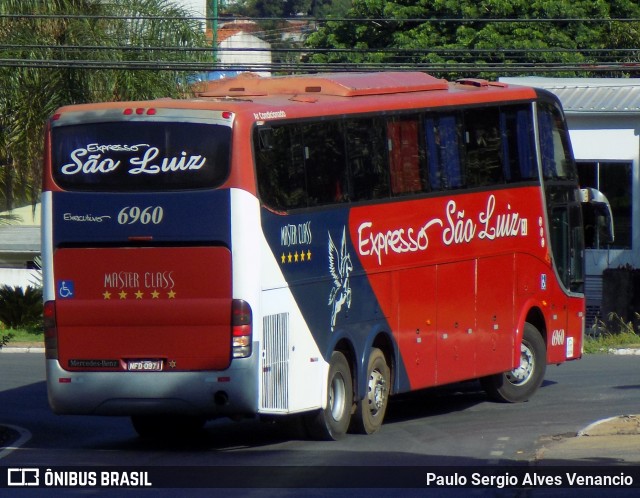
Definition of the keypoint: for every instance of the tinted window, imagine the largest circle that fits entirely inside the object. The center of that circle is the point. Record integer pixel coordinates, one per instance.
(483, 147)
(557, 161)
(140, 156)
(325, 162)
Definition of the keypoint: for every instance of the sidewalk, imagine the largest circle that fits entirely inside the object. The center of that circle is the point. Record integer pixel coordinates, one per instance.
(23, 347)
(612, 441)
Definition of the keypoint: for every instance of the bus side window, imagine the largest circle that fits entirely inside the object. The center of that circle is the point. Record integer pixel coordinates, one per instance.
(405, 156)
(483, 147)
(324, 163)
(442, 138)
(281, 178)
(517, 144)
(367, 167)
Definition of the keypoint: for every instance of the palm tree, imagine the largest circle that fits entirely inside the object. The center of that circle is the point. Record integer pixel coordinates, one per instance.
(73, 51)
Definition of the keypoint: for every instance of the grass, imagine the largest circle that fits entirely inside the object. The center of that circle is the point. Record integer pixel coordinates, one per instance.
(613, 333)
(606, 341)
(22, 335)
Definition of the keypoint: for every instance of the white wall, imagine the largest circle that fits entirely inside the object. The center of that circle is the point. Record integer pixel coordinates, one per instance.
(197, 7)
(18, 277)
(261, 57)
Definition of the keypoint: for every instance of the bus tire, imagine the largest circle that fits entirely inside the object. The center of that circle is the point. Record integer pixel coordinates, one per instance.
(370, 410)
(170, 427)
(332, 422)
(519, 384)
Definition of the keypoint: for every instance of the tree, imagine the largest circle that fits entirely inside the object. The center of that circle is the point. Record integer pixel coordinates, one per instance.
(482, 38)
(73, 51)
(288, 8)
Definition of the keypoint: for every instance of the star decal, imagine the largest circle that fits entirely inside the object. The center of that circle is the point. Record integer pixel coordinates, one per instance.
(295, 257)
(106, 295)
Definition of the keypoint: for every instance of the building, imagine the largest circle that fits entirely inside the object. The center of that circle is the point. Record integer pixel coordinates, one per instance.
(603, 115)
(196, 7)
(19, 247)
(238, 43)
(239, 48)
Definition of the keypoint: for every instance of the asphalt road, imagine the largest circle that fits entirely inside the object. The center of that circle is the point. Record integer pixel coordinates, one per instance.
(450, 426)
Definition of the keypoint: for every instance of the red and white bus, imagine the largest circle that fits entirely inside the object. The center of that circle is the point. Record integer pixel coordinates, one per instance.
(308, 245)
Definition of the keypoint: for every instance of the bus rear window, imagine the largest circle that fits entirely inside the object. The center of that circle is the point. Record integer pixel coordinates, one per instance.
(140, 156)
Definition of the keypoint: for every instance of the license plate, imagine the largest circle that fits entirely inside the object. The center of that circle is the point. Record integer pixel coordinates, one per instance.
(144, 365)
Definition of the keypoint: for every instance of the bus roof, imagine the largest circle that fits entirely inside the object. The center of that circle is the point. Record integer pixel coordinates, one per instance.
(337, 84)
(353, 92)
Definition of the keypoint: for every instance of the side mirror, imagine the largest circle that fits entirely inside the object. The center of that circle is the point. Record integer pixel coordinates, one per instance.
(598, 218)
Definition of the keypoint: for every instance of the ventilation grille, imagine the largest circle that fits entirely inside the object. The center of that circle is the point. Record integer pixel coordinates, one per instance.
(275, 362)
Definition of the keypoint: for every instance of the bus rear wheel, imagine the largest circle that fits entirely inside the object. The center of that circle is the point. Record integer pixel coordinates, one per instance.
(332, 422)
(371, 409)
(519, 384)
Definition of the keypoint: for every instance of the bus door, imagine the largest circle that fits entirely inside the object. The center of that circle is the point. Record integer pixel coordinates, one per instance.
(568, 257)
(564, 211)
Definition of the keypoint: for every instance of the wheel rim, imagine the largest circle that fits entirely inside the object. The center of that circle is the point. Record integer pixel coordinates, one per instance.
(377, 394)
(523, 373)
(337, 397)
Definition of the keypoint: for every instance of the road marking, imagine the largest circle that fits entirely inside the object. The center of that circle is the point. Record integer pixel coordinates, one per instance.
(24, 436)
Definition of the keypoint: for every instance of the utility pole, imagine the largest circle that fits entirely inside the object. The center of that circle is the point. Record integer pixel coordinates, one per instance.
(214, 31)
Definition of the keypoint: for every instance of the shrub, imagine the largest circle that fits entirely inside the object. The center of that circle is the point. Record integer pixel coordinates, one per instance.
(21, 308)
(4, 339)
(611, 334)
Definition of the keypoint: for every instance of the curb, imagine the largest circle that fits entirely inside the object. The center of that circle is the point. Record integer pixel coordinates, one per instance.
(36, 347)
(610, 441)
(22, 350)
(22, 436)
(625, 351)
(621, 425)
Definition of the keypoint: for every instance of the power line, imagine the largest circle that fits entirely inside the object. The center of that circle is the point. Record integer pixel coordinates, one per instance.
(320, 19)
(470, 60)
(321, 67)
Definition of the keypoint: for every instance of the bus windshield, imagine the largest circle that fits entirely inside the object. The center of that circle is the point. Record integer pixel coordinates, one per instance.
(135, 156)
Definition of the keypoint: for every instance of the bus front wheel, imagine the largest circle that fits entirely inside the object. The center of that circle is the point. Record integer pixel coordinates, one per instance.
(370, 411)
(332, 422)
(520, 383)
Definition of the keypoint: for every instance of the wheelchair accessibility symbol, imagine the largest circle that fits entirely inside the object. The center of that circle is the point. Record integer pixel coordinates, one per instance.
(65, 289)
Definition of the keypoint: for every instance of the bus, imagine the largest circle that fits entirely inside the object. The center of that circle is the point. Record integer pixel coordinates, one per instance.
(308, 245)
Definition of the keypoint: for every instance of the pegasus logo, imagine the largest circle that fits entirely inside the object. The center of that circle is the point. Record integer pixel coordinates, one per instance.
(340, 267)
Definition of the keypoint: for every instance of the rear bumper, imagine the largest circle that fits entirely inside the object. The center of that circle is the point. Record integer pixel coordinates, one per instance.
(231, 392)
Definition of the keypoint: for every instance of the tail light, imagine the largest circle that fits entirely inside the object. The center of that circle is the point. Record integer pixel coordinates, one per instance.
(50, 331)
(241, 328)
